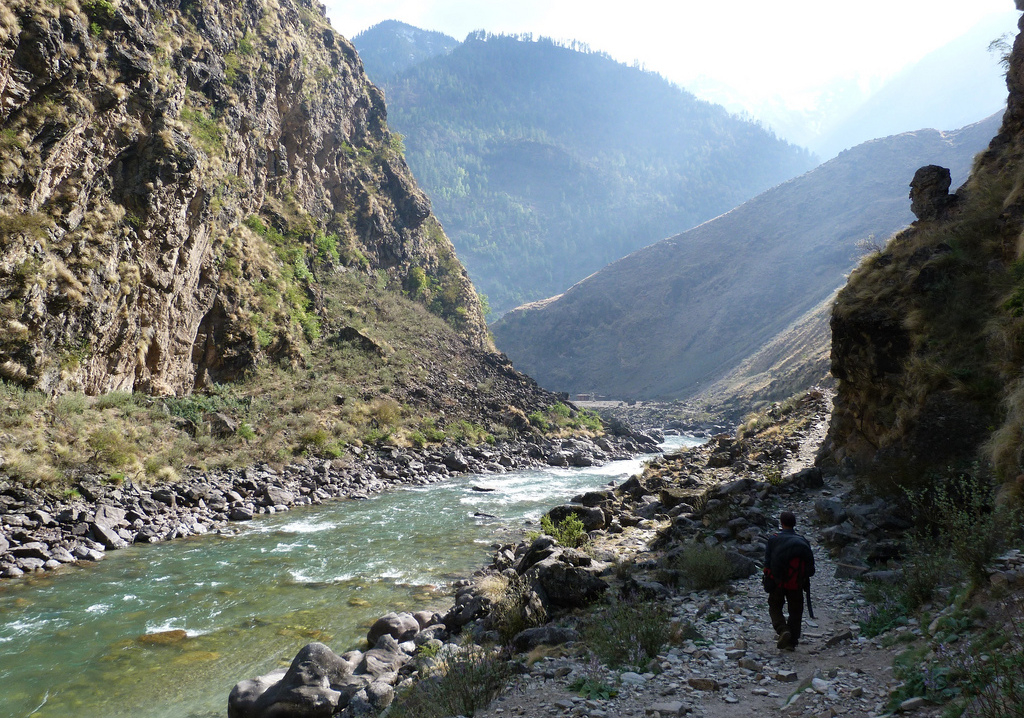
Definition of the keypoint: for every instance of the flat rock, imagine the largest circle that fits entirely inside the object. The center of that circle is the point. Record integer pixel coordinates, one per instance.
(673, 708)
(703, 684)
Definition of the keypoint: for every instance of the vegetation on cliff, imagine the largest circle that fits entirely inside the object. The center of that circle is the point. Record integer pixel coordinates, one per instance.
(202, 203)
(928, 336)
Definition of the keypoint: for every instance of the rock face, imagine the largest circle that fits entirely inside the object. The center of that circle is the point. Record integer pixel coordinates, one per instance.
(164, 165)
(924, 334)
(929, 192)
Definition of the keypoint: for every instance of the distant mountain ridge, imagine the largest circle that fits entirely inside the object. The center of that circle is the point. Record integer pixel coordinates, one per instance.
(389, 47)
(545, 163)
(953, 86)
(670, 319)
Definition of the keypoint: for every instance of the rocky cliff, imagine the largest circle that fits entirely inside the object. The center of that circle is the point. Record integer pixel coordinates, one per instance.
(177, 179)
(927, 335)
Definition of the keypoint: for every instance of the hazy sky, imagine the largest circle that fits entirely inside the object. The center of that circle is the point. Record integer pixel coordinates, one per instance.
(785, 48)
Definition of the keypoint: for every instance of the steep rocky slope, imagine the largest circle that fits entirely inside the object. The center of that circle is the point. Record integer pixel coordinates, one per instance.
(202, 203)
(927, 334)
(668, 320)
(175, 175)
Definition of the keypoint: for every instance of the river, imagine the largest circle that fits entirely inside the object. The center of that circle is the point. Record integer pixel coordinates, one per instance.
(86, 640)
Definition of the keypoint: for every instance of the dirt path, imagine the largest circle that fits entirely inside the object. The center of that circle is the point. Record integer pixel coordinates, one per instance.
(738, 672)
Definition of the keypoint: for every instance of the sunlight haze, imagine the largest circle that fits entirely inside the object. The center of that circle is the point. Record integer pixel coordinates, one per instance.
(792, 49)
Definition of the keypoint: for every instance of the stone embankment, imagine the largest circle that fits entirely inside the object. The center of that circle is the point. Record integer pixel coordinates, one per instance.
(39, 532)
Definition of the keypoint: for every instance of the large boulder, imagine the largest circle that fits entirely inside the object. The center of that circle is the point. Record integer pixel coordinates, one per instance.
(400, 626)
(568, 586)
(278, 496)
(929, 192)
(830, 511)
(243, 697)
(541, 548)
(742, 566)
(303, 692)
(542, 636)
(384, 658)
(110, 517)
(593, 518)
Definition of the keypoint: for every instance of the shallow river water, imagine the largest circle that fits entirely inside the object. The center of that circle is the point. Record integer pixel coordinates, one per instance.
(84, 641)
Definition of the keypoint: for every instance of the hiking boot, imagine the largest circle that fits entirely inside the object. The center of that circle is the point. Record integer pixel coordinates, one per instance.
(783, 642)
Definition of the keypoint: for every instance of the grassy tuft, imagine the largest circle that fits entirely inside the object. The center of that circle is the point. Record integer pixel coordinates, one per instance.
(466, 683)
(627, 634)
(703, 567)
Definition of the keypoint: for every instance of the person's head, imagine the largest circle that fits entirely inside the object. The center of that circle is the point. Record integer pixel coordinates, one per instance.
(787, 520)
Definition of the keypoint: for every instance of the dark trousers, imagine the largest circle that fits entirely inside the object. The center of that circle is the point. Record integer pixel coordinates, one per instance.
(776, 600)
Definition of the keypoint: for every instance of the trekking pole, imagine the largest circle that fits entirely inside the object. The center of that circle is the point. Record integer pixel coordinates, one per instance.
(810, 608)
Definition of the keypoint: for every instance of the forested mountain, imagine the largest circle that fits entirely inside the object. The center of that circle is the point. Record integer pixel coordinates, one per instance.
(545, 162)
(391, 46)
(668, 320)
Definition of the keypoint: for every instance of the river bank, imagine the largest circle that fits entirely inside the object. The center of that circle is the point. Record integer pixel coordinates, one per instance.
(720, 659)
(165, 630)
(40, 532)
(727, 481)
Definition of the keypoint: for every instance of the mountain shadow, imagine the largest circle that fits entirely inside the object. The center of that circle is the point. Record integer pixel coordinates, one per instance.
(670, 319)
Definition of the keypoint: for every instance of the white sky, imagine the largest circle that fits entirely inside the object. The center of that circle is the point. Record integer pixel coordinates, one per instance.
(761, 48)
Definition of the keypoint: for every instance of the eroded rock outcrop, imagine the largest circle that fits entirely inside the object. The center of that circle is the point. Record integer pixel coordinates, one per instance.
(171, 175)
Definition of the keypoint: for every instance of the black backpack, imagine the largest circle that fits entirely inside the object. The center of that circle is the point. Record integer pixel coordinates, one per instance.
(792, 563)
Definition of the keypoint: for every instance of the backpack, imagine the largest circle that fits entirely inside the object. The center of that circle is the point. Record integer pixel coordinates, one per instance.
(792, 563)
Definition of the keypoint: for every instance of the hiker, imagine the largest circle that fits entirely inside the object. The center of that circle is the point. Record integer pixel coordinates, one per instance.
(788, 567)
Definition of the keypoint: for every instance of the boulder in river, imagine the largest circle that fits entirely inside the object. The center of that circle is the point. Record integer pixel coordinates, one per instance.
(400, 626)
(592, 517)
(304, 691)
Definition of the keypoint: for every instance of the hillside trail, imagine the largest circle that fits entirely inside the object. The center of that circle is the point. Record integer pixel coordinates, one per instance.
(833, 672)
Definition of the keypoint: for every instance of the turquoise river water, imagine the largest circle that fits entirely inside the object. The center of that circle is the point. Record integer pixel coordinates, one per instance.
(80, 641)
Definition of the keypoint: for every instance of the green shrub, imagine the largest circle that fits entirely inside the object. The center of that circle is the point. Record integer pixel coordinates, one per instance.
(207, 131)
(99, 11)
(511, 612)
(703, 567)
(123, 400)
(464, 431)
(465, 684)
(924, 571)
(960, 520)
(315, 439)
(68, 405)
(992, 688)
(109, 447)
(921, 679)
(428, 427)
(885, 612)
(592, 689)
(627, 634)
(569, 532)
